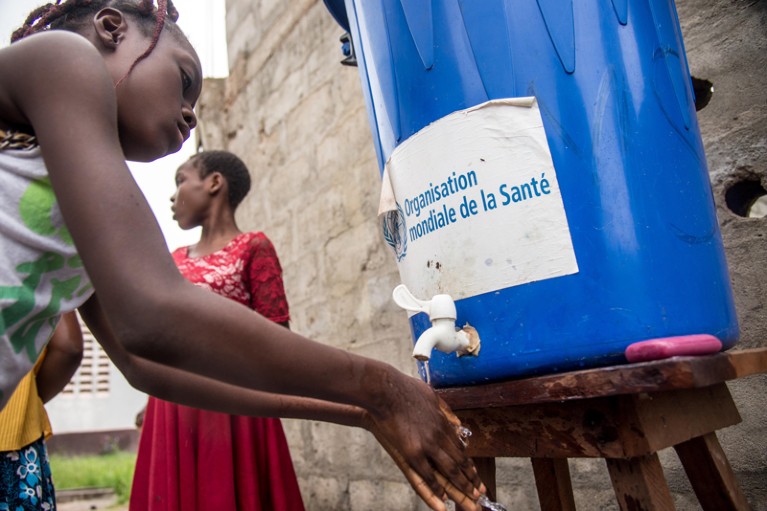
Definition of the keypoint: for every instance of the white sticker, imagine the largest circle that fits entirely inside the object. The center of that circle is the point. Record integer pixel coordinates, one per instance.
(471, 203)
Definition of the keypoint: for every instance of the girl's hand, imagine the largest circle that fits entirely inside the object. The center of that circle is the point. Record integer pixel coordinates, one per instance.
(421, 435)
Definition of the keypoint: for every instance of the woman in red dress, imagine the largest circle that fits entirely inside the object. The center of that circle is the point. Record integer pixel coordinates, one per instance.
(197, 460)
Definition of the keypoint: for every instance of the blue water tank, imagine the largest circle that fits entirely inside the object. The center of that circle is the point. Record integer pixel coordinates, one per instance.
(612, 88)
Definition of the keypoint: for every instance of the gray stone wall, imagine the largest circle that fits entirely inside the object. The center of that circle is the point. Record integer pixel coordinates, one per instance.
(726, 43)
(296, 116)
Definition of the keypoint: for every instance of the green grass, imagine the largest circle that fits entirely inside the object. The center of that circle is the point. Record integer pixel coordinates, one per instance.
(113, 470)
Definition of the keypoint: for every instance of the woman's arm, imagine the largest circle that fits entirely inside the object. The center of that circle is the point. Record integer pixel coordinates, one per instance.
(197, 391)
(157, 315)
(200, 392)
(62, 357)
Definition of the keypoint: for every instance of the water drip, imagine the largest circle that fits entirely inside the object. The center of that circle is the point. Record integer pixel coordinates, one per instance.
(489, 504)
(426, 372)
(463, 434)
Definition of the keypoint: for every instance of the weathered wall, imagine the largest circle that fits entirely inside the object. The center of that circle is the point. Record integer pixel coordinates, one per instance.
(726, 43)
(297, 118)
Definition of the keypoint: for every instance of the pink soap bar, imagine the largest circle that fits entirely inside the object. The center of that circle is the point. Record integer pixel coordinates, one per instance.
(684, 345)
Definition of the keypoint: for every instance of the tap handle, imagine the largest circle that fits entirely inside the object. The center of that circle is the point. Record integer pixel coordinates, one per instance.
(405, 299)
(439, 307)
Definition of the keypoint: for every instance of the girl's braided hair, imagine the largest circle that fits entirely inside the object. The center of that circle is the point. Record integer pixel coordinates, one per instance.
(73, 14)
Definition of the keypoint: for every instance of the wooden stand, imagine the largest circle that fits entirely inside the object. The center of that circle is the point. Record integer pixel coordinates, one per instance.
(624, 414)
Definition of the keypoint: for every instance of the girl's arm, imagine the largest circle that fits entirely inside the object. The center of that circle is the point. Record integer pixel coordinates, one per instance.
(193, 390)
(62, 357)
(189, 389)
(156, 314)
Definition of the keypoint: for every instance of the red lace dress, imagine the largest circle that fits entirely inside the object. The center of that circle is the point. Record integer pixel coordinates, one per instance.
(196, 460)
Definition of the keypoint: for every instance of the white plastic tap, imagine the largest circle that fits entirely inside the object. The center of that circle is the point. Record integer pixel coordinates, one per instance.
(443, 335)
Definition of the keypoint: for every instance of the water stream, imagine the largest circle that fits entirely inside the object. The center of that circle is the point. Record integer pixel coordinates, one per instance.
(483, 501)
(489, 504)
(464, 434)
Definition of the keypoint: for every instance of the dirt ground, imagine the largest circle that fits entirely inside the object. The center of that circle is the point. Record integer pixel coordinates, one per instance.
(95, 504)
(92, 505)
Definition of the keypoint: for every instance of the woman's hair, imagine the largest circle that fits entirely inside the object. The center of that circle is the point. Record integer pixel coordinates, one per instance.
(228, 165)
(72, 15)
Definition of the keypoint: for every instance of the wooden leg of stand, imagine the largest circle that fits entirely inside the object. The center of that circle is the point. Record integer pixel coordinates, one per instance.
(639, 483)
(552, 480)
(711, 475)
(486, 470)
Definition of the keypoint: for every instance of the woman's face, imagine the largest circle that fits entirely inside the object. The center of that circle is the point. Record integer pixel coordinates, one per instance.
(155, 100)
(192, 200)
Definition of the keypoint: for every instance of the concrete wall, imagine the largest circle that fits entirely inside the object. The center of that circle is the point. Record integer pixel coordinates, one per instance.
(297, 118)
(727, 44)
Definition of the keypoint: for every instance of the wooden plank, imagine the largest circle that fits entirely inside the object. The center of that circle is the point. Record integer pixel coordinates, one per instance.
(711, 475)
(668, 374)
(612, 427)
(748, 362)
(552, 480)
(577, 429)
(669, 418)
(639, 484)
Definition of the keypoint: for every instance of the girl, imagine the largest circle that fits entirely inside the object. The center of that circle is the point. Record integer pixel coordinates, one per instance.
(195, 459)
(25, 472)
(120, 82)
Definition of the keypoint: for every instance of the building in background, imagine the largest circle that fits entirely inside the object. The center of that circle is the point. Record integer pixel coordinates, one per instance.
(96, 411)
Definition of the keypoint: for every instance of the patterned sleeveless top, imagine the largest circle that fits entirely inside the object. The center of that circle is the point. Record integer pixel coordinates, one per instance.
(41, 275)
(246, 270)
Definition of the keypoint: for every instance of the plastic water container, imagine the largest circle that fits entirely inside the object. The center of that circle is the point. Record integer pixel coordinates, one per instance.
(592, 98)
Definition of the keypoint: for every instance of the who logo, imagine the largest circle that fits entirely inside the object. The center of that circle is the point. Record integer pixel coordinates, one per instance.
(395, 231)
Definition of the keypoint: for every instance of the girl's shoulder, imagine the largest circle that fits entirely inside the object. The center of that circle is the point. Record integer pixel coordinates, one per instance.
(55, 37)
(53, 50)
(31, 66)
(249, 243)
(257, 240)
(255, 237)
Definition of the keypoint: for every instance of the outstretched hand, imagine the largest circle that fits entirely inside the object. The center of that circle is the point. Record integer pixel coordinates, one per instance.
(421, 435)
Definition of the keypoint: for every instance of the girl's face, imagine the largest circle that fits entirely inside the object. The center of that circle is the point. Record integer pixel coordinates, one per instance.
(193, 197)
(155, 101)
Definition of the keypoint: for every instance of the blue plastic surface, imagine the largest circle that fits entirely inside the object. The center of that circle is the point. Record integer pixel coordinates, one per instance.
(613, 86)
(337, 9)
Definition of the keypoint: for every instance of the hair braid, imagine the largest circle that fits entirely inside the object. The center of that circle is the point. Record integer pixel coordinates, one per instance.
(54, 16)
(165, 9)
(33, 21)
(33, 16)
(41, 18)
